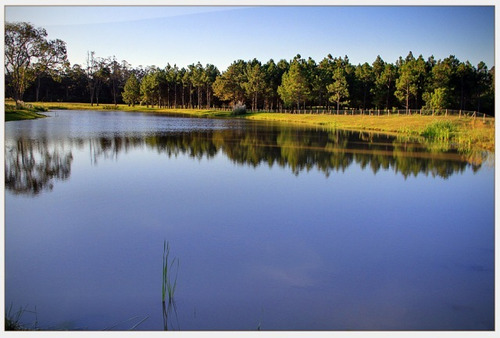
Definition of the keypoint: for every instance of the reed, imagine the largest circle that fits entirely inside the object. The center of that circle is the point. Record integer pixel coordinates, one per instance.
(13, 320)
(168, 284)
(439, 131)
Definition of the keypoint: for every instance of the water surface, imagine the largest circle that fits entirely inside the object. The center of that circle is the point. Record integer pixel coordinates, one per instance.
(275, 228)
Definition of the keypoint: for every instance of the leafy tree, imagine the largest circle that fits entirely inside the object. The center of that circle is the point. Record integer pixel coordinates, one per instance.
(255, 84)
(27, 55)
(52, 62)
(272, 79)
(437, 100)
(385, 75)
(115, 78)
(365, 79)
(211, 74)
(132, 91)
(312, 76)
(74, 81)
(406, 84)
(101, 76)
(175, 78)
(198, 80)
(188, 80)
(95, 75)
(482, 80)
(294, 87)
(378, 66)
(323, 78)
(349, 71)
(441, 73)
(229, 86)
(338, 89)
(274, 74)
(464, 84)
(149, 88)
(184, 80)
(421, 76)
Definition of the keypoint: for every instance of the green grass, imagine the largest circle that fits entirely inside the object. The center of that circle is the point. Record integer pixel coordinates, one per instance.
(28, 112)
(439, 131)
(137, 108)
(464, 132)
(168, 284)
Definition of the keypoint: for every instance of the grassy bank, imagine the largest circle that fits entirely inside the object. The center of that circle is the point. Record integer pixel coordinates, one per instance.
(28, 112)
(462, 132)
(126, 108)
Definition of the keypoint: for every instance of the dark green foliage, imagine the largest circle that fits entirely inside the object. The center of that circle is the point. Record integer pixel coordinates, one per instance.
(410, 83)
(439, 131)
(338, 89)
(132, 91)
(295, 87)
(28, 54)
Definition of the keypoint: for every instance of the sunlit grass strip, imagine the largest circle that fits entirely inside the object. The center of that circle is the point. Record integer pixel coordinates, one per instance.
(168, 288)
(465, 132)
(137, 108)
(473, 133)
(28, 112)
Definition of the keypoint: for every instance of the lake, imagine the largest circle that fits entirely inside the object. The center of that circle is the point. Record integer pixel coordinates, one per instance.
(274, 227)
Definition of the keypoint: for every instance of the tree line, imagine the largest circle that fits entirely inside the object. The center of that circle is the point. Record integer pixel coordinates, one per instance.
(37, 69)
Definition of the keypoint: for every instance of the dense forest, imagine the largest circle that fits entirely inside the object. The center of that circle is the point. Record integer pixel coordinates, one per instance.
(36, 69)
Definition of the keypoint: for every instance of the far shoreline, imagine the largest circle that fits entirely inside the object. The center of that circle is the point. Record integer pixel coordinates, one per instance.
(477, 132)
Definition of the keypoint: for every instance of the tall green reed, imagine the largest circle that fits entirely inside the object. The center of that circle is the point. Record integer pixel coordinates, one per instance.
(439, 131)
(168, 284)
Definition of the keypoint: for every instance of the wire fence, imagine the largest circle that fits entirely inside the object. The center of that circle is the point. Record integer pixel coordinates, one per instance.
(372, 112)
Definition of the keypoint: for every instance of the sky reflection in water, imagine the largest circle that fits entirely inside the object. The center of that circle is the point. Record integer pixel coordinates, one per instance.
(275, 228)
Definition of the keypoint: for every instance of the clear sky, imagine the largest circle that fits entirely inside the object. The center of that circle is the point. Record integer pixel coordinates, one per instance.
(220, 34)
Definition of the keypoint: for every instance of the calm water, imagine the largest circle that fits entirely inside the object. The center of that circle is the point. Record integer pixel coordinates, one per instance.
(275, 228)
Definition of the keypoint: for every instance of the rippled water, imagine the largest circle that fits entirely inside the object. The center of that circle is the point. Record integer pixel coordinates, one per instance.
(275, 228)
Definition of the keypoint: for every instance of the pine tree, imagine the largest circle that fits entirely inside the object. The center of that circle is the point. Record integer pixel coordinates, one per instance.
(132, 91)
(255, 84)
(294, 87)
(406, 84)
(338, 88)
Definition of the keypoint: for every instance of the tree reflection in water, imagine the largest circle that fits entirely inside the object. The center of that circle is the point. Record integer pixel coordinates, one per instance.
(31, 166)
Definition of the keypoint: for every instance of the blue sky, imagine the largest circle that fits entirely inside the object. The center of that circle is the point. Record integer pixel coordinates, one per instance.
(220, 34)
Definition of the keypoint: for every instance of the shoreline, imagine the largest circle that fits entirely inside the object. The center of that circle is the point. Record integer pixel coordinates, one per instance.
(464, 132)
